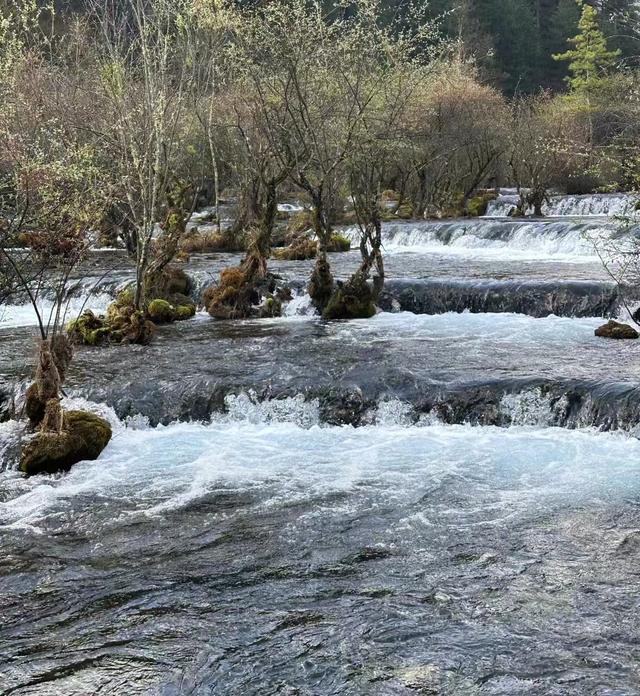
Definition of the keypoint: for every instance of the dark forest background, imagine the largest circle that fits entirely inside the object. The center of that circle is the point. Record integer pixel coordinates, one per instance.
(512, 41)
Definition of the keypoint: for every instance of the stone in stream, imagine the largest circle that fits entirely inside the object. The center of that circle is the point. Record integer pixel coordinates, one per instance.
(614, 329)
(83, 436)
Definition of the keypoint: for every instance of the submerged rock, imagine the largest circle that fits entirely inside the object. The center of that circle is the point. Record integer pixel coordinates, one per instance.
(83, 436)
(614, 329)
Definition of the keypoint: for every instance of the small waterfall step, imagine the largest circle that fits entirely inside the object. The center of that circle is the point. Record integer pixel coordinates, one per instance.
(535, 298)
(456, 368)
(586, 205)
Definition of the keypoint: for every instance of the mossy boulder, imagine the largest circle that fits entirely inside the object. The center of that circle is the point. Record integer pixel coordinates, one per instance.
(271, 307)
(350, 300)
(338, 242)
(183, 312)
(160, 312)
(88, 329)
(477, 206)
(299, 250)
(121, 324)
(83, 436)
(405, 211)
(614, 329)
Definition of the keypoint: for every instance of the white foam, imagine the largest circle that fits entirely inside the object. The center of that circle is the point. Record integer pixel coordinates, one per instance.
(588, 205)
(468, 327)
(300, 306)
(12, 316)
(150, 472)
(569, 241)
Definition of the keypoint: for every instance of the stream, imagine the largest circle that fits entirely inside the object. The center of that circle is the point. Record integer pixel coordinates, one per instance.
(441, 500)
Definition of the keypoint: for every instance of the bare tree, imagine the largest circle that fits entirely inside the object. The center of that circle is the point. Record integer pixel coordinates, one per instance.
(143, 82)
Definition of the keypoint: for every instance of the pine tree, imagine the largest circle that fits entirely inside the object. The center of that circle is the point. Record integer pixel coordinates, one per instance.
(563, 23)
(589, 59)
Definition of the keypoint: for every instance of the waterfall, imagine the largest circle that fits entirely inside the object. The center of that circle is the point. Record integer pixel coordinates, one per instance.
(588, 205)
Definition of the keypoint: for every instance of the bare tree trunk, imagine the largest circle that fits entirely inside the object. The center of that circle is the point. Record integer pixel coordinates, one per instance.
(321, 283)
(259, 248)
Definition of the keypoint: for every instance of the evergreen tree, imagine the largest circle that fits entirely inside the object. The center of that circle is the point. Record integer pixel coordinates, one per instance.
(563, 24)
(590, 58)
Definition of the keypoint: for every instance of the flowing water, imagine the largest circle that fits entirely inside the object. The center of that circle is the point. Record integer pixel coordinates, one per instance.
(439, 501)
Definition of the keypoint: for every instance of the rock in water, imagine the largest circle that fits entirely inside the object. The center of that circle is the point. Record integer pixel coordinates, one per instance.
(614, 329)
(83, 436)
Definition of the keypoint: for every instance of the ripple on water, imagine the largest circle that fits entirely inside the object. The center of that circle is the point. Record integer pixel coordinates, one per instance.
(264, 557)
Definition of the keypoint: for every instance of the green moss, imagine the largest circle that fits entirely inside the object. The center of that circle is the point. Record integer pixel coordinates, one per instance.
(272, 307)
(182, 312)
(405, 211)
(122, 324)
(95, 337)
(339, 242)
(83, 436)
(477, 206)
(88, 329)
(125, 298)
(160, 312)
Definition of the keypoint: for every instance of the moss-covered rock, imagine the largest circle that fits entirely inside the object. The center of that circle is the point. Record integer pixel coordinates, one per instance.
(299, 250)
(477, 206)
(183, 312)
(338, 242)
(160, 312)
(350, 300)
(405, 211)
(83, 436)
(614, 329)
(271, 307)
(88, 329)
(121, 324)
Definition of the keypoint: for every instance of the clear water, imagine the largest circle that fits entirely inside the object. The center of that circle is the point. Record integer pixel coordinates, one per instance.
(266, 558)
(264, 553)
